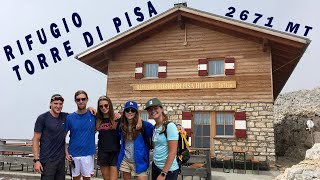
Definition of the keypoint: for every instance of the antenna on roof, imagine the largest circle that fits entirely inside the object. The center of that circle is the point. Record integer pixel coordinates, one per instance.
(179, 4)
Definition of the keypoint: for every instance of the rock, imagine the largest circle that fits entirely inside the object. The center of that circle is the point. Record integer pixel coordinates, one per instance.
(306, 169)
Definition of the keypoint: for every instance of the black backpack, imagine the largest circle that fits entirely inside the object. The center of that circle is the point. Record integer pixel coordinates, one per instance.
(183, 154)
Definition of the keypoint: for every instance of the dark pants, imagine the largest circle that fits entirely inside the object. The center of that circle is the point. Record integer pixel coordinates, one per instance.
(53, 170)
(172, 175)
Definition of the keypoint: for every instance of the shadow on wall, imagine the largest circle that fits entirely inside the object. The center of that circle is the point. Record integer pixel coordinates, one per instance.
(292, 138)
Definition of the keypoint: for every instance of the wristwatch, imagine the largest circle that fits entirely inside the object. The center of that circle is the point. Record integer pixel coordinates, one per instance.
(35, 160)
(164, 174)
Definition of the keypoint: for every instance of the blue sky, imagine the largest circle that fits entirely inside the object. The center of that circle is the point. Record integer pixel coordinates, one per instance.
(29, 97)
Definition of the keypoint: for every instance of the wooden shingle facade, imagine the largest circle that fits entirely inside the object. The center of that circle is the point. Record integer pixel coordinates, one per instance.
(216, 76)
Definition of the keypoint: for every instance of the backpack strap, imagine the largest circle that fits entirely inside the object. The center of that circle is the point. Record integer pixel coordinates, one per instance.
(165, 128)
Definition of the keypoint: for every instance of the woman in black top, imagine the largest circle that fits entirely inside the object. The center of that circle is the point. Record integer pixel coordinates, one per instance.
(108, 139)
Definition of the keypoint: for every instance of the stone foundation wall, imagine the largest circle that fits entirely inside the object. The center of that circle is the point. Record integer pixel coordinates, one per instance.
(260, 131)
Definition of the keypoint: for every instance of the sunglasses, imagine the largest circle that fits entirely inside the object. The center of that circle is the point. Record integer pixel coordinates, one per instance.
(80, 99)
(130, 110)
(57, 98)
(103, 98)
(104, 105)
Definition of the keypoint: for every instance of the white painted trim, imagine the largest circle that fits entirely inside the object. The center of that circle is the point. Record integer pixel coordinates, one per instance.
(186, 124)
(202, 67)
(240, 124)
(138, 70)
(229, 65)
(162, 69)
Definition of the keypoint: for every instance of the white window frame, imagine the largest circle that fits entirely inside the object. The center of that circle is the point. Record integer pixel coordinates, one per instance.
(209, 68)
(146, 69)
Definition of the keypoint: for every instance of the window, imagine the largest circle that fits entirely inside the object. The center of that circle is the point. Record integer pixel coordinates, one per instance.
(151, 70)
(209, 125)
(216, 67)
(201, 129)
(224, 124)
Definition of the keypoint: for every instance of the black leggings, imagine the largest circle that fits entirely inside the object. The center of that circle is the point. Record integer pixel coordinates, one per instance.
(171, 175)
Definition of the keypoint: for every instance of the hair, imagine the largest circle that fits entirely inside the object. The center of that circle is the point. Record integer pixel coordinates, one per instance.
(80, 92)
(165, 119)
(100, 113)
(124, 125)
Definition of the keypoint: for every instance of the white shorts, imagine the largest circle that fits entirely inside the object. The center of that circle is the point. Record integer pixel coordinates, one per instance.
(83, 165)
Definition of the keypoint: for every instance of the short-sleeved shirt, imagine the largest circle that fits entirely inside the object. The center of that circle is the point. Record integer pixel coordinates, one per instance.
(109, 139)
(161, 150)
(52, 141)
(82, 134)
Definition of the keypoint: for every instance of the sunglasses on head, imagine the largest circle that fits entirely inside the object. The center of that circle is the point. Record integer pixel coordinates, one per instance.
(104, 105)
(130, 110)
(80, 99)
(102, 98)
(57, 98)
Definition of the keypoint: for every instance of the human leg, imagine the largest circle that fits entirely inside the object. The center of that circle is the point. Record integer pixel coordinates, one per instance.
(51, 170)
(105, 171)
(60, 173)
(113, 173)
(126, 175)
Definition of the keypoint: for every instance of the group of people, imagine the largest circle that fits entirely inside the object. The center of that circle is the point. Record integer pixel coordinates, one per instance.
(123, 140)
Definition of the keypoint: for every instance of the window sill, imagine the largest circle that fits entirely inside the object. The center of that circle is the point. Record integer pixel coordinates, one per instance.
(220, 75)
(151, 78)
(224, 137)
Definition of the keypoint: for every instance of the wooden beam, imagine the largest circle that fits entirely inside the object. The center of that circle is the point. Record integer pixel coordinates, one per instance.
(265, 45)
(181, 22)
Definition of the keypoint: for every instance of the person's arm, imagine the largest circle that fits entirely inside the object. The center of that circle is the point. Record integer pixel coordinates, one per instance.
(92, 110)
(172, 137)
(67, 128)
(35, 149)
(68, 156)
(139, 124)
(172, 147)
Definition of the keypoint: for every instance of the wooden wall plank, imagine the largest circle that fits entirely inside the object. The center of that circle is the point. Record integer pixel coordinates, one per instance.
(252, 67)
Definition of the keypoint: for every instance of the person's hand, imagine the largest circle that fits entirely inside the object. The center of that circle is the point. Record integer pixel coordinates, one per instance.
(117, 115)
(92, 110)
(160, 177)
(38, 167)
(139, 124)
(68, 157)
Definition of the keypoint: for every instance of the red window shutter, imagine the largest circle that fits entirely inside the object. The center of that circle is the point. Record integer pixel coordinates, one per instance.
(186, 115)
(240, 124)
(240, 115)
(240, 133)
(139, 71)
(203, 67)
(229, 65)
(162, 69)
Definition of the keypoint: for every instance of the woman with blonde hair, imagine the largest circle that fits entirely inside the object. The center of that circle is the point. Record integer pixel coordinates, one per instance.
(165, 165)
